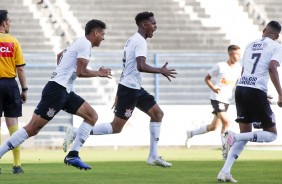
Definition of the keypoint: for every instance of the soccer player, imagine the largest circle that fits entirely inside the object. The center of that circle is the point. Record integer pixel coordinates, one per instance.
(260, 61)
(130, 94)
(225, 75)
(57, 94)
(11, 63)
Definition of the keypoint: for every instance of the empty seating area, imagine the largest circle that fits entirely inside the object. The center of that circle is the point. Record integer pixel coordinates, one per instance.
(25, 28)
(176, 31)
(272, 9)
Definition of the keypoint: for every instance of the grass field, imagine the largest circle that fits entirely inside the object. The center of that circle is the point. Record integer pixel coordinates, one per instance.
(127, 166)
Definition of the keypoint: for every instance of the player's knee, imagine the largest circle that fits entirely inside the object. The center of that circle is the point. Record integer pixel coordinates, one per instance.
(94, 117)
(158, 116)
(91, 117)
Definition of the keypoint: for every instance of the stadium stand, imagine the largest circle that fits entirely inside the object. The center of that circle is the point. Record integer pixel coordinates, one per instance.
(262, 12)
(176, 29)
(26, 28)
(270, 9)
(255, 11)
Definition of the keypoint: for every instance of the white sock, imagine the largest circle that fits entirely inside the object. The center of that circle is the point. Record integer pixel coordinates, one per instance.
(74, 131)
(233, 154)
(101, 129)
(201, 130)
(222, 139)
(155, 128)
(81, 136)
(257, 136)
(14, 141)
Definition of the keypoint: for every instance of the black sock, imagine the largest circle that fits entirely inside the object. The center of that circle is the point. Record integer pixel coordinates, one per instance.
(73, 154)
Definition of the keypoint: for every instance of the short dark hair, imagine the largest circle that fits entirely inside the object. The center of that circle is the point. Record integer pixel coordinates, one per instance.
(143, 16)
(94, 24)
(232, 47)
(275, 26)
(3, 16)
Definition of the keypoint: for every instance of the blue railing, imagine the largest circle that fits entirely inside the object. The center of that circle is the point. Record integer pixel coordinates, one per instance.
(178, 60)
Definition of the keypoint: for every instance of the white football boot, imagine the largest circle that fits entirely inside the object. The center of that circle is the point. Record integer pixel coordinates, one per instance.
(159, 161)
(224, 177)
(69, 138)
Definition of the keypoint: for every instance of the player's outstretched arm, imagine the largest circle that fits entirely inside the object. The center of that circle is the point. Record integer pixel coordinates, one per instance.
(142, 66)
(168, 72)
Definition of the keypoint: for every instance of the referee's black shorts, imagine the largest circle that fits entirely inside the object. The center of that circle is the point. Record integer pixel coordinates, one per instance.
(10, 98)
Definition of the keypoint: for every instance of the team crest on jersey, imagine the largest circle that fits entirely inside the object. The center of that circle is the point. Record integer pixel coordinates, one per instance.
(51, 112)
(128, 113)
(221, 106)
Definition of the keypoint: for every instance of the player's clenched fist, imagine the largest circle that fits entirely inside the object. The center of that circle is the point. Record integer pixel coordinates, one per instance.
(105, 72)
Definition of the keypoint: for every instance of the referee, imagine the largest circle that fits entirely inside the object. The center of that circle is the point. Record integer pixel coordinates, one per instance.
(11, 64)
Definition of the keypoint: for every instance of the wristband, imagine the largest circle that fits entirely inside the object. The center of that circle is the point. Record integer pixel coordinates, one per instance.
(25, 89)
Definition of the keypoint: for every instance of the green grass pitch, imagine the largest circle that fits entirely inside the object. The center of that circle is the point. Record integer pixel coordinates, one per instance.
(127, 166)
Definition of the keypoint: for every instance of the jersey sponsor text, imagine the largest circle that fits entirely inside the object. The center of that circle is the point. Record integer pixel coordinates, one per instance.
(6, 49)
(248, 81)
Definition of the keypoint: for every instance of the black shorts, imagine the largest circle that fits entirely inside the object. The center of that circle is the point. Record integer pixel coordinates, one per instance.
(129, 98)
(252, 106)
(219, 106)
(55, 98)
(10, 98)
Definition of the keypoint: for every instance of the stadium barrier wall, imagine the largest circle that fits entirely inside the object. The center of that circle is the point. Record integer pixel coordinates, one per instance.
(177, 119)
